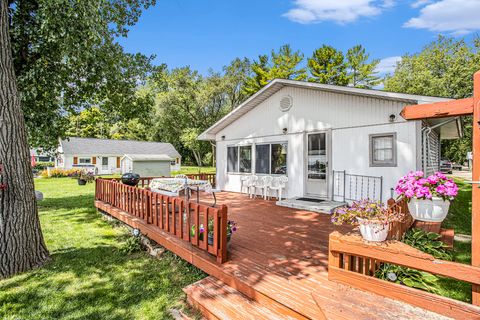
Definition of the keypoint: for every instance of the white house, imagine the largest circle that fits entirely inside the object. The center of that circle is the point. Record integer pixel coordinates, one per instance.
(105, 156)
(332, 142)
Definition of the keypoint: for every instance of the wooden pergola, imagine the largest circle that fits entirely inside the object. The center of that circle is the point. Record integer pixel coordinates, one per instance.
(455, 108)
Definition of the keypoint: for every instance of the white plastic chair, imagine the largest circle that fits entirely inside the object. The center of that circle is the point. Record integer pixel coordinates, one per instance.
(245, 182)
(278, 184)
(261, 183)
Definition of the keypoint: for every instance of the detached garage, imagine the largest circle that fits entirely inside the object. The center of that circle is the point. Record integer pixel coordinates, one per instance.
(146, 165)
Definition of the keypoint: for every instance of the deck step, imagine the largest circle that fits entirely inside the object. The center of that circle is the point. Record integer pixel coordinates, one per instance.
(216, 300)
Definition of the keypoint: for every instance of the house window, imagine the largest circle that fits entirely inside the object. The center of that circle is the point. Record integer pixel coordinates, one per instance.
(383, 150)
(84, 161)
(239, 159)
(271, 158)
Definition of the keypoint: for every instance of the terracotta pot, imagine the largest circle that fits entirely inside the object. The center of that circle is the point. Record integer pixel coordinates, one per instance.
(434, 210)
(372, 231)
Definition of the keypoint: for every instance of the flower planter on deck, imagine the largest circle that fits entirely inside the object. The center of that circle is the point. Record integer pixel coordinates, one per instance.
(434, 210)
(372, 231)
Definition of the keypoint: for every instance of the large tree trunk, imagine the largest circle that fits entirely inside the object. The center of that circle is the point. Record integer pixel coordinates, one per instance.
(21, 242)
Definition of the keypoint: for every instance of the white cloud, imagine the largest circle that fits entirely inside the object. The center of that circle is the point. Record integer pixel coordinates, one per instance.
(387, 65)
(340, 11)
(420, 3)
(453, 16)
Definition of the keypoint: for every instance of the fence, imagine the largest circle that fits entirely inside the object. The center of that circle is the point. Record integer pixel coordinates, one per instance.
(170, 214)
(354, 187)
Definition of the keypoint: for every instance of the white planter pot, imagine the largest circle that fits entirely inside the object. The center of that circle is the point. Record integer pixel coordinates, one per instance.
(434, 210)
(372, 231)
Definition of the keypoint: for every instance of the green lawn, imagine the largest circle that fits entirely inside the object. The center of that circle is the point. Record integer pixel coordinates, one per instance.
(460, 219)
(191, 170)
(88, 276)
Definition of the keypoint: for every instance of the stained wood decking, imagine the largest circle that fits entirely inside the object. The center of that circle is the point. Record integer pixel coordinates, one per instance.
(279, 258)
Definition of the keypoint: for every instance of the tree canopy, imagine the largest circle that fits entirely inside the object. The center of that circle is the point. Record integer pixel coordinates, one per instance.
(66, 60)
(444, 68)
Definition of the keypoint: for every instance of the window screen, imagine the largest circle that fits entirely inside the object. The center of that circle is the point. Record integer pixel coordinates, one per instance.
(245, 159)
(279, 158)
(262, 158)
(232, 159)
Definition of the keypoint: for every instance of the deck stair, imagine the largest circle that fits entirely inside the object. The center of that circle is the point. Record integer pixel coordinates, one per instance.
(216, 300)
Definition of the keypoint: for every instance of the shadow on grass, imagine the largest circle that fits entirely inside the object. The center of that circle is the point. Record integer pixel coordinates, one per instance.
(97, 283)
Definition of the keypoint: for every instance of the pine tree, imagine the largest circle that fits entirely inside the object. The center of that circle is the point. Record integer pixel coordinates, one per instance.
(327, 65)
(361, 73)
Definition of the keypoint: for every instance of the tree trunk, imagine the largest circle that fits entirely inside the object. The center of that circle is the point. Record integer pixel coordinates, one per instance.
(21, 241)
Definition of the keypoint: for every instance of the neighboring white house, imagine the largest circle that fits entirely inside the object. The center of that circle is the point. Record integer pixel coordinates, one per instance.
(105, 156)
(314, 132)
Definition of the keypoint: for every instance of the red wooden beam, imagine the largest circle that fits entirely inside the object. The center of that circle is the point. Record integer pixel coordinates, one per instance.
(475, 188)
(441, 109)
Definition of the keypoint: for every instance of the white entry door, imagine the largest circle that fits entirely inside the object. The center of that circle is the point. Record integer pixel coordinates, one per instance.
(105, 165)
(317, 165)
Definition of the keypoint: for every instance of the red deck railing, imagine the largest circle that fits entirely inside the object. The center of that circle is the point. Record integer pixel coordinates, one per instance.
(170, 214)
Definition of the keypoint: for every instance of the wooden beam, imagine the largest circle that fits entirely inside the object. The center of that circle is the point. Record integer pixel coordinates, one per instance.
(452, 108)
(475, 188)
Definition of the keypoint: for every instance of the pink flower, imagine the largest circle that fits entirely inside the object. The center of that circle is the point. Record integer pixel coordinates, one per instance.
(441, 189)
(432, 180)
(419, 174)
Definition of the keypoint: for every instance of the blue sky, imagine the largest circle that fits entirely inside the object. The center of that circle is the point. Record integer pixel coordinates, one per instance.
(209, 33)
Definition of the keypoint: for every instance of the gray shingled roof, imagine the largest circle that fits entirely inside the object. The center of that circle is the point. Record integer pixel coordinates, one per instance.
(91, 146)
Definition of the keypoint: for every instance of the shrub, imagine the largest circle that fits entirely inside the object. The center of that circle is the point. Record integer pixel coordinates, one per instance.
(131, 245)
(39, 166)
(60, 173)
(428, 242)
(424, 241)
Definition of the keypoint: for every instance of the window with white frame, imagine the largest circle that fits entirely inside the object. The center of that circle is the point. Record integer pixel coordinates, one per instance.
(84, 160)
(239, 159)
(271, 158)
(383, 150)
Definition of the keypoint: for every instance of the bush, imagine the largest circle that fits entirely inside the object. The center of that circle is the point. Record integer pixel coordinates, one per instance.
(131, 245)
(60, 173)
(39, 166)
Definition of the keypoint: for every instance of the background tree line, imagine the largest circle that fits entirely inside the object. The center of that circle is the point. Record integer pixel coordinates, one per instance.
(177, 105)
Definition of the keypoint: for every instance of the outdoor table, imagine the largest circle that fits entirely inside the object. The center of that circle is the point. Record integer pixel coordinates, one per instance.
(175, 185)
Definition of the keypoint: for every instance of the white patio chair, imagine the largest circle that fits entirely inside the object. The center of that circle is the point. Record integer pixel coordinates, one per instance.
(251, 185)
(245, 183)
(262, 184)
(278, 184)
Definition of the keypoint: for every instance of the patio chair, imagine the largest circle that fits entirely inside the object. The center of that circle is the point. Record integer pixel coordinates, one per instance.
(262, 184)
(245, 182)
(278, 184)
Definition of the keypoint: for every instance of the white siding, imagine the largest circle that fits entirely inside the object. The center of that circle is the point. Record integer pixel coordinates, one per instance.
(351, 120)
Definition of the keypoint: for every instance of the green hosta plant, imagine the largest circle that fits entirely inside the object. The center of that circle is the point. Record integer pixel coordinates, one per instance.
(428, 242)
(409, 277)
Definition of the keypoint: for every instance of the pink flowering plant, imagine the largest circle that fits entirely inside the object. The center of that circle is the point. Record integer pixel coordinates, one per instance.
(365, 212)
(415, 185)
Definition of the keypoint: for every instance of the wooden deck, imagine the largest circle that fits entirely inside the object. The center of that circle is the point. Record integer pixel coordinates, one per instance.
(278, 259)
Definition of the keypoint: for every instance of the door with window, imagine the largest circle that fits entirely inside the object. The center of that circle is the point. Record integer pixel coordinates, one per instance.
(317, 165)
(105, 165)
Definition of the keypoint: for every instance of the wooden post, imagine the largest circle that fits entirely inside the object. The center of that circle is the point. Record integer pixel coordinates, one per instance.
(475, 187)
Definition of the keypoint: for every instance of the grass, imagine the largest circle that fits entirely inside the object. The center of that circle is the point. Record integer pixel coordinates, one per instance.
(192, 170)
(459, 218)
(89, 276)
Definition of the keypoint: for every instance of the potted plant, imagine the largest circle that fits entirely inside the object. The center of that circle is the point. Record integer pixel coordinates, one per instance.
(372, 217)
(85, 177)
(428, 198)
(231, 228)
